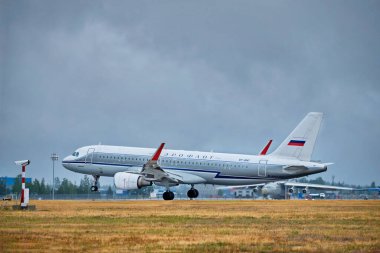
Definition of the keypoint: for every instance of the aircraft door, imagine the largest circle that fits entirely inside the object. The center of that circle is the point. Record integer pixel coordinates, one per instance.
(262, 168)
(89, 156)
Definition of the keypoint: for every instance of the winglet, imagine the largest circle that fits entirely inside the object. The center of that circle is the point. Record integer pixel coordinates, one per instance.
(158, 152)
(265, 149)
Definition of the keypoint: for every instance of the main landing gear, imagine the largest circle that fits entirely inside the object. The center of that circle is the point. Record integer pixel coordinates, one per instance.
(168, 195)
(192, 193)
(94, 188)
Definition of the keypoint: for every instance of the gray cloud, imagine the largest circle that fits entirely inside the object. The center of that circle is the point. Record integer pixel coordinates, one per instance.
(197, 75)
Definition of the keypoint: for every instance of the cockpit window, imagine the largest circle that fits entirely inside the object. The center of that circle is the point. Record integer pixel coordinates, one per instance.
(75, 154)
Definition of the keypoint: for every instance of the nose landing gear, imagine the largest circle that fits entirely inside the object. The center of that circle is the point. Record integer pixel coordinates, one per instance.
(95, 188)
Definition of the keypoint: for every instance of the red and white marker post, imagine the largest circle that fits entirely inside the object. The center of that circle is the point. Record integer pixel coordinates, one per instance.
(24, 191)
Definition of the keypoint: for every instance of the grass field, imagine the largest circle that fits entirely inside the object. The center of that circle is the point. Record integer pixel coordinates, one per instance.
(193, 226)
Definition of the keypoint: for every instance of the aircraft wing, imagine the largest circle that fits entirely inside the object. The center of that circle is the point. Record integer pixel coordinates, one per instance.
(152, 171)
(317, 186)
(240, 186)
(369, 189)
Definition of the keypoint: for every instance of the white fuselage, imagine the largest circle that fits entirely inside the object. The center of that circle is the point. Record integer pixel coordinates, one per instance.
(192, 166)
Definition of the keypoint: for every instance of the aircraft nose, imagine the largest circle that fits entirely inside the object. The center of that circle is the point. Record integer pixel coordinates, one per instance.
(66, 163)
(66, 159)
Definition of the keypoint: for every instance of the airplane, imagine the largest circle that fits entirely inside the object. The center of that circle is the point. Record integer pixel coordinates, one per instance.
(134, 168)
(280, 189)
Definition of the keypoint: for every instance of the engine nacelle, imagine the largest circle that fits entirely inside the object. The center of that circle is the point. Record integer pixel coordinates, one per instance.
(129, 181)
(290, 190)
(273, 189)
(257, 189)
(304, 191)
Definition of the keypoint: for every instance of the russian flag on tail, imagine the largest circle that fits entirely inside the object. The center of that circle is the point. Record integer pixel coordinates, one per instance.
(296, 143)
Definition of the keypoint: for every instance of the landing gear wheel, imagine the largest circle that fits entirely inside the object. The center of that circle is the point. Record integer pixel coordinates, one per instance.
(193, 193)
(190, 193)
(168, 195)
(94, 188)
(196, 193)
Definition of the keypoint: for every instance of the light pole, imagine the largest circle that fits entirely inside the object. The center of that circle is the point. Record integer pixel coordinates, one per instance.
(54, 157)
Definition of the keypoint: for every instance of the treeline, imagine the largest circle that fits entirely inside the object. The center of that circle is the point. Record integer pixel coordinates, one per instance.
(64, 186)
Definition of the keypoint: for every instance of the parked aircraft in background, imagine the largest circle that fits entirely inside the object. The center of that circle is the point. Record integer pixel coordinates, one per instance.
(133, 168)
(280, 189)
(371, 189)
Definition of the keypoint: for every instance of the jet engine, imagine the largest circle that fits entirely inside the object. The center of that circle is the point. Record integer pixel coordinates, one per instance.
(272, 189)
(291, 190)
(129, 181)
(257, 189)
(304, 191)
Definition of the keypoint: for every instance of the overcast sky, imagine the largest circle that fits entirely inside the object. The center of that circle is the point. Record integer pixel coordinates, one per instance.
(198, 75)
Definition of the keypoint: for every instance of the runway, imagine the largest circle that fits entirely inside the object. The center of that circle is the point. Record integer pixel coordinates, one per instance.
(193, 226)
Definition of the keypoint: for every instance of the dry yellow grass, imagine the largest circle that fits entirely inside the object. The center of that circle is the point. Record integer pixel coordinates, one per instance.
(193, 226)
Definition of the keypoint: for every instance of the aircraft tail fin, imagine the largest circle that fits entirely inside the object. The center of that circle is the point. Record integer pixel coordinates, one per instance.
(300, 143)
